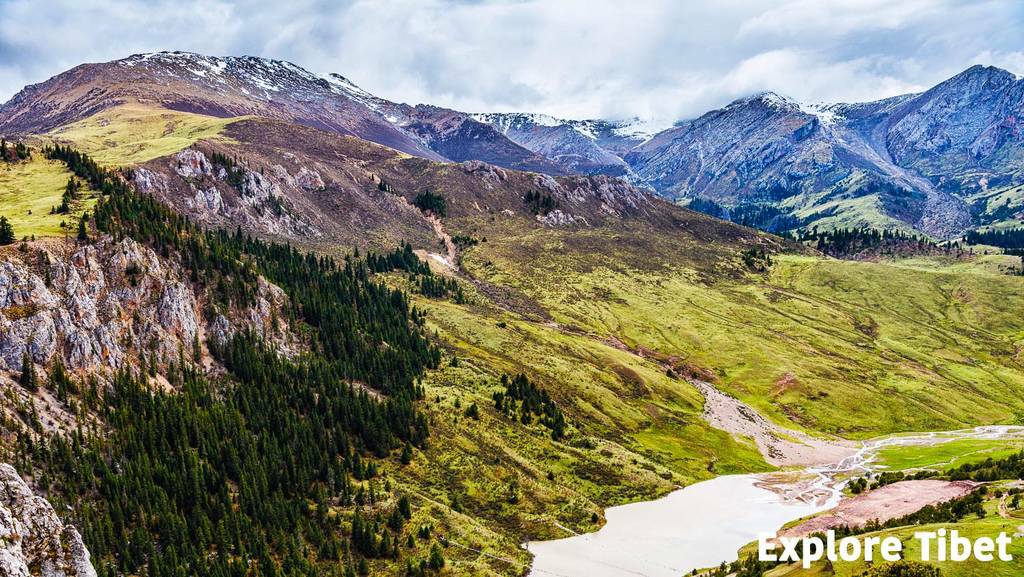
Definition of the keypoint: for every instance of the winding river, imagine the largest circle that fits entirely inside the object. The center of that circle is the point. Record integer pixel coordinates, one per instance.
(706, 523)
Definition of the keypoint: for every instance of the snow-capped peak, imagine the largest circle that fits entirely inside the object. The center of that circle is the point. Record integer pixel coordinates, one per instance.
(346, 85)
(505, 121)
(633, 128)
(826, 113)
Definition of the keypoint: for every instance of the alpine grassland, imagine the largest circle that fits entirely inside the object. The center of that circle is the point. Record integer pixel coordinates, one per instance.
(32, 189)
(857, 349)
(133, 133)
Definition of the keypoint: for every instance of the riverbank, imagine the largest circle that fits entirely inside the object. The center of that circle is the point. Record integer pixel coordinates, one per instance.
(707, 523)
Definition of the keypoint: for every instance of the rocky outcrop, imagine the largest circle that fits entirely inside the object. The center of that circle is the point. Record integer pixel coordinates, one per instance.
(252, 199)
(586, 195)
(100, 306)
(34, 542)
(558, 218)
(306, 179)
(491, 174)
(191, 163)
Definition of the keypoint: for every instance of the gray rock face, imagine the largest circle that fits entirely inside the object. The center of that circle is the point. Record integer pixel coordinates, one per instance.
(99, 306)
(34, 542)
(973, 121)
(191, 163)
(101, 301)
(260, 201)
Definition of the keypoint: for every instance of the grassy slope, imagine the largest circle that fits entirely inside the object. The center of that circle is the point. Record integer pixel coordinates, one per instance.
(806, 318)
(999, 199)
(124, 135)
(134, 133)
(946, 455)
(30, 189)
(634, 434)
(846, 347)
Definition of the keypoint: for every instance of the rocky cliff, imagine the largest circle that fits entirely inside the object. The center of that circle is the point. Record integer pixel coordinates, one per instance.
(33, 540)
(100, 306)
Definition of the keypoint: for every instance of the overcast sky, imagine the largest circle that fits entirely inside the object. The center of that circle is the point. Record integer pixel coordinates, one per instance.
(588, 58)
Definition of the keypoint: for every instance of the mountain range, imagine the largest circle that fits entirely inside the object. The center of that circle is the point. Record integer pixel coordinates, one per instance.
(939, 162)
(263, 322)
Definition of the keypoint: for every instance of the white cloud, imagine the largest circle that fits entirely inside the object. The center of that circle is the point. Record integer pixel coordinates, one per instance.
(575, 58)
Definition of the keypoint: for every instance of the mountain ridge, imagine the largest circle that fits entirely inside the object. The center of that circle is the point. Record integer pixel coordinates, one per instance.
(913, 162)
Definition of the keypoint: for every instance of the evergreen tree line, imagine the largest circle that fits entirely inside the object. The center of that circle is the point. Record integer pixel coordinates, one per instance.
(420, 276)
(844, 242)
(217, 479)
(1010, 467)
(1010, 238)
(525, 400)
(218, 473)
(429, 202)
(68, 197)
(235, 174)
(861, 484)
(540, 203)
(15, 152)
(757, 259)
(99, 179)
(757, 215)
(6, 231)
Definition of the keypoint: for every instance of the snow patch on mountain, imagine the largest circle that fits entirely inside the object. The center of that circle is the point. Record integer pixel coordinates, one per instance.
(827, 114)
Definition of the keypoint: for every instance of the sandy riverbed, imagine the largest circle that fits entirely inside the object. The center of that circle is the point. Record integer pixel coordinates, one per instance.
(883, 504)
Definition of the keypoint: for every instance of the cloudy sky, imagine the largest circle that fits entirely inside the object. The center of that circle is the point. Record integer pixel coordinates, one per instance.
(665, 59)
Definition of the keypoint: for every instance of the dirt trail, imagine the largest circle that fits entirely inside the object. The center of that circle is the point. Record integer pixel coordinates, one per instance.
(780, 446)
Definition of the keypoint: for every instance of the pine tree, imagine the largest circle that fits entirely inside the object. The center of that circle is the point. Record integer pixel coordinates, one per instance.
(436, 558)
(28, 378)
(83, 233)
(6, 231)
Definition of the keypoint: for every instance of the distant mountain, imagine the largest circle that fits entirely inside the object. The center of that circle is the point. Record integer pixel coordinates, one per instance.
(584, 146)
(942, 161)
(910, 160)
(214, 86)
(230, 86)
(459, 137)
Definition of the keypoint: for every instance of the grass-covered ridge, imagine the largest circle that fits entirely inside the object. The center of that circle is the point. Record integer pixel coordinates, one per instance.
(134, 133)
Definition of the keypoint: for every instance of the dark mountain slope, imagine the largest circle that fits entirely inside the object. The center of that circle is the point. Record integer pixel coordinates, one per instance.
(231, 87)
(911, 159)
(459, 137)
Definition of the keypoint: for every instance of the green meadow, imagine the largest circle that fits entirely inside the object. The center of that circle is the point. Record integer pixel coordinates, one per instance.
(30, 190)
